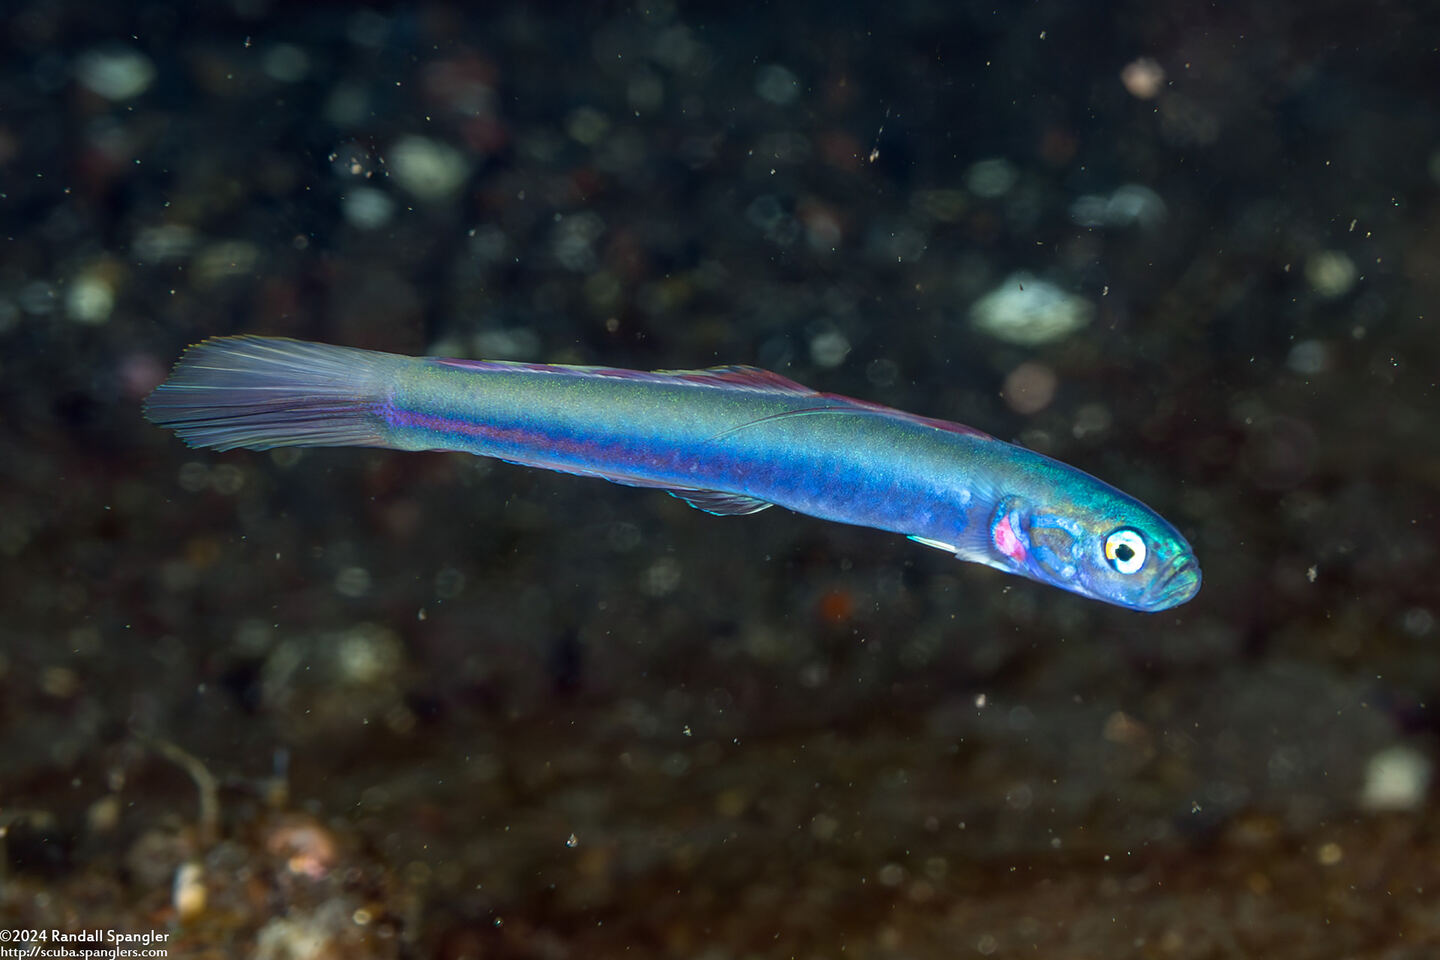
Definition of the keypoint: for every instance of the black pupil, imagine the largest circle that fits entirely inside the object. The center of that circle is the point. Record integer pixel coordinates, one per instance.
(1124, 552)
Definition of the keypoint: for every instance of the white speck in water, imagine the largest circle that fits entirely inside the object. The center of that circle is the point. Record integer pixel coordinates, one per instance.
(572, 841)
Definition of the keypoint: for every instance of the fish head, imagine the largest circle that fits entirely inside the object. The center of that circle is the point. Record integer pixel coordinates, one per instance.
(1097, 542)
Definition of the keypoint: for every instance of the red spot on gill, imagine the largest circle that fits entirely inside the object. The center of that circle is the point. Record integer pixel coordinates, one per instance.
(1007, 542)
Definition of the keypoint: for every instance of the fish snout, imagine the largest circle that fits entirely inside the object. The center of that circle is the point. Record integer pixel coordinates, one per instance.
(1176, 585)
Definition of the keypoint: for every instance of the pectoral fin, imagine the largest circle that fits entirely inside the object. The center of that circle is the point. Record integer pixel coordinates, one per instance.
(937, 544)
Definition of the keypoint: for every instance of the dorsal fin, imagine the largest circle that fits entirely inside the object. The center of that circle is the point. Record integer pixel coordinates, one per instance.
(739, 375)
(733, 377)
(869, 406)
(834, 403)
(730, 377)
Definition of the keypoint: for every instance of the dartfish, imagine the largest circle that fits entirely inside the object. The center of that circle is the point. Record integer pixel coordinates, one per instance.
(727, 440)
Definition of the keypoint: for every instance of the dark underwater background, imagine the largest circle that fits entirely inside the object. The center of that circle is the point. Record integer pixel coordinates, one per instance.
(353, 703)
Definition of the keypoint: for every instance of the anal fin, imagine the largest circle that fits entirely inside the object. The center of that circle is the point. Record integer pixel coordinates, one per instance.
(721, 504)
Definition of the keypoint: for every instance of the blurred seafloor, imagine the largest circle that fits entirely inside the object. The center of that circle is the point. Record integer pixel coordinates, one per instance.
(364, 704)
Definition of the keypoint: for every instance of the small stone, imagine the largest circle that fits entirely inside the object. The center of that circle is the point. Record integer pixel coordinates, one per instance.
(188, 892)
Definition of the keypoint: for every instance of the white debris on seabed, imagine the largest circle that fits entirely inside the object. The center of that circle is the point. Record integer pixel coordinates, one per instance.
(515, 343)
(1129, 205)
(352, 582)
(1143, 78)
(329, 931)
(187, 892)
(90, 297)
(115, 73)
(992, 177)
(1331, 273)
(367, 208)
(1028, 311)
(1396, 778)
(163, 242)
(225, 258)
(286, 63)
(587, 125)
(573, 240)
(427, 168)
(367, 654)
(777, 84)
(829, 348)
(1309, 358)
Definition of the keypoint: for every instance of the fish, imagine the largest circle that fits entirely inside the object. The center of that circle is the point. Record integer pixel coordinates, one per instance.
(728, 440)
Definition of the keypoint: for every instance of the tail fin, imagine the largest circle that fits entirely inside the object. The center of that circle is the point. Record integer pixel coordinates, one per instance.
(263, 392)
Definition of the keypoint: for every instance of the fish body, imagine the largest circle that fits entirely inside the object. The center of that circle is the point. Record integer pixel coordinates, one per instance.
(728, 440)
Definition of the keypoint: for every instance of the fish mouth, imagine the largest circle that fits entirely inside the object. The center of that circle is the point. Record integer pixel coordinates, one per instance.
(1177, 585)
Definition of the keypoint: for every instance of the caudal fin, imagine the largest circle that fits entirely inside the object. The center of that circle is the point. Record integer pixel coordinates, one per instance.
(263, 392)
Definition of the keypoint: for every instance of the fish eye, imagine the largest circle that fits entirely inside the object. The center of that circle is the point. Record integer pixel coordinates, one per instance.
(1125, 549)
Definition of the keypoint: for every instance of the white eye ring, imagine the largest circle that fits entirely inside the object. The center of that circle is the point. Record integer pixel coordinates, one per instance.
(1125, 549)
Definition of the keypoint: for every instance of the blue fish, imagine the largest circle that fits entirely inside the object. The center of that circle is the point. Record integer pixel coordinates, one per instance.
(727, 440)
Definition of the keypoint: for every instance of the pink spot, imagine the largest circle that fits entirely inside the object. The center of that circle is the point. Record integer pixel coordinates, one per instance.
(1007, 542)
(140, 373)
